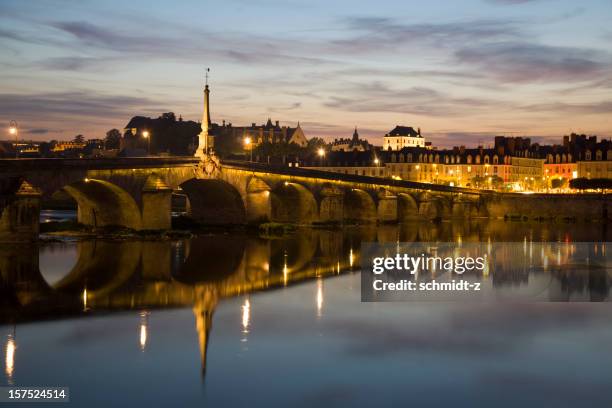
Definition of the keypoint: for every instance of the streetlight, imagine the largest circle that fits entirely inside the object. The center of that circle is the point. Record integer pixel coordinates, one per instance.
(376, 161)
(14, 131)
(249, 146)
(145, 134)
(321, 153)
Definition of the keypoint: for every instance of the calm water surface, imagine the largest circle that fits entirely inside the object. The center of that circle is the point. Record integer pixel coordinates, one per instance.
(231, 320)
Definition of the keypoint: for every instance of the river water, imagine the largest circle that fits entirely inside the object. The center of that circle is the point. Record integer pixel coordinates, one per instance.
(237, 320)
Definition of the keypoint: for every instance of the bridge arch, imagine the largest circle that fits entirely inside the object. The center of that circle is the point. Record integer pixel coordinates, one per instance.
(214, 202)
(407, 208)
(101, 267)
(293, 254)
(359, 206)
(101, 204)
(292, 203)
(224, 255)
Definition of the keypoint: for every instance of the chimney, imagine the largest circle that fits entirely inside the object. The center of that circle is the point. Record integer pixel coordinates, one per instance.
(277, 123)
(223, 122)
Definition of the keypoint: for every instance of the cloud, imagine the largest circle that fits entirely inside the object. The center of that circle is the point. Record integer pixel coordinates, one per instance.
(430, 75)
(525, 62)
(95, 35)
(37, 131)
(73, 63)
(290, 107)
(510, 2)
(11, 35)
(55, 114)
(79, 103)
(415, 100)
(602, 107)
(185, 45)
(377, 34)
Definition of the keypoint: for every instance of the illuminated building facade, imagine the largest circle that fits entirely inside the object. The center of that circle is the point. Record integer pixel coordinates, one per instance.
(403, 136)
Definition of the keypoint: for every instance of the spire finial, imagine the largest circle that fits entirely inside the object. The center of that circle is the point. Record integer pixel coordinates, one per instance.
(207, 71)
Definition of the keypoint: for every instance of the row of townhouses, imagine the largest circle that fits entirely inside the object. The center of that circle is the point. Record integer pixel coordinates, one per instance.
(513, 163)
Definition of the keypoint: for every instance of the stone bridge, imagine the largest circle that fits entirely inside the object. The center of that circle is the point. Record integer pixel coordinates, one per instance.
(136, 193)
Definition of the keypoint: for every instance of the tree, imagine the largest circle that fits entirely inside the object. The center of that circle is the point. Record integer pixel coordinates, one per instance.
(169, 116)
(592, 184)
(79, 139)
(495, 182)
(314, 144)
(558, 182)
(45, 149)
(113, 139)
(476, 181)
(488, 182)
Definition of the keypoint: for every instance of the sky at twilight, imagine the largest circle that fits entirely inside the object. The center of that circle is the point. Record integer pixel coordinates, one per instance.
(462, 71)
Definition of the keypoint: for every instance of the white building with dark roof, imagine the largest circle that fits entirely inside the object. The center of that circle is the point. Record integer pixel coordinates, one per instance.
(403, 136)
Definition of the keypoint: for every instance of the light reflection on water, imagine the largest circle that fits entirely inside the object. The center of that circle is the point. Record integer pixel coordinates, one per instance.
(171, 321)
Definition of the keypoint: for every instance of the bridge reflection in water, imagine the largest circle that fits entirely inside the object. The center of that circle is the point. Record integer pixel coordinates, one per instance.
(201, 271)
